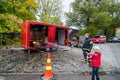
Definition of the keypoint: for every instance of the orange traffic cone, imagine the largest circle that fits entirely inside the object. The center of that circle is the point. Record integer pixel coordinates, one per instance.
(48, 72)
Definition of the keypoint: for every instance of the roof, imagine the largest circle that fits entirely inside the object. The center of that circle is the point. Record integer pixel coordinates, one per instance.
(46, 24)
(74, 27)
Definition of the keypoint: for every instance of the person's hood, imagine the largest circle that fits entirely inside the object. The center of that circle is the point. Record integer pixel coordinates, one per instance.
(96, 47)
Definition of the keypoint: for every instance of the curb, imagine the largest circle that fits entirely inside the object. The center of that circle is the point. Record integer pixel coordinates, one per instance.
(38, 73)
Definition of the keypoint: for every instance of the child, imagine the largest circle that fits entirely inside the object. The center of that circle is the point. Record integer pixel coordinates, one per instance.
(95, 62)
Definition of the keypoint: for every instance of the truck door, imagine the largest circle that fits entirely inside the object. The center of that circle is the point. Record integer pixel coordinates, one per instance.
(51, 35)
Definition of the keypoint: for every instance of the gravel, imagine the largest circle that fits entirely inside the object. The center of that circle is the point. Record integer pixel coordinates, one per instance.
(67, 62)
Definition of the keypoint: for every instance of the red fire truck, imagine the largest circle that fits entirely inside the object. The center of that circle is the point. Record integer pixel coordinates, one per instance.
(40, 35)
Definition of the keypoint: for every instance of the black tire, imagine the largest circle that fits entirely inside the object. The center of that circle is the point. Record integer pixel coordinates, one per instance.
(47, 49)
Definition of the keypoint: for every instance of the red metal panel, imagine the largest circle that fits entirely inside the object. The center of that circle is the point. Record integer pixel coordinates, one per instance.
(51, 34)
(23, 34)
(48, 24)
(67, 38)
(28, 35)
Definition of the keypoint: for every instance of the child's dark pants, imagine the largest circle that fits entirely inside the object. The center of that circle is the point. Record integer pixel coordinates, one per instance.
(95, 73)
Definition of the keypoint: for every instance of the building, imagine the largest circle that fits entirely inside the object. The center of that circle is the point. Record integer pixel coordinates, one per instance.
(117, 32)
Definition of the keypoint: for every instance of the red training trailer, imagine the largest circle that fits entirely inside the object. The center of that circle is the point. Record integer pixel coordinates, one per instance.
(40, 35)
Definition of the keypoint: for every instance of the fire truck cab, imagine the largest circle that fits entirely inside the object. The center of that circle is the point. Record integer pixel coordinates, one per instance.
(40, 35)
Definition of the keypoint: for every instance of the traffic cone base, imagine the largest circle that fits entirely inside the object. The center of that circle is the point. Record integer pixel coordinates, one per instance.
(43, 78)
(48, 70)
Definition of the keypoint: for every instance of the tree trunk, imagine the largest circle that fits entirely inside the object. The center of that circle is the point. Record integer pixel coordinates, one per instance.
(105, 31)
(114, 31)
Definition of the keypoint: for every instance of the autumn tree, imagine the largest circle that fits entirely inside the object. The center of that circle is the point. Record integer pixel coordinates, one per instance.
(50, 11)
(13, 13)
(96, 16)
(114, 10)
(25, 9)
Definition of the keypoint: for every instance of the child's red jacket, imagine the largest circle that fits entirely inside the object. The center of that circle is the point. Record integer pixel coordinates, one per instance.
(96, 59)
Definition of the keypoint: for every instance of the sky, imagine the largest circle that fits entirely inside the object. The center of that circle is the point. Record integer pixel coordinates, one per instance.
(66, 6)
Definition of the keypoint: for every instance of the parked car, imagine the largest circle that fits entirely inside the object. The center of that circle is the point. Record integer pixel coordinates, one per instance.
(113, 39)
(99, 39)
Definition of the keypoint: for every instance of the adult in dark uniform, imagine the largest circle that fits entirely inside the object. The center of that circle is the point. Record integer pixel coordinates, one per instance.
(87, 46)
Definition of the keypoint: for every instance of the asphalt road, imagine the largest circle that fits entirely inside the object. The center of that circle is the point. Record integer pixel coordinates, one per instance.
(115, 47)
(58, 77)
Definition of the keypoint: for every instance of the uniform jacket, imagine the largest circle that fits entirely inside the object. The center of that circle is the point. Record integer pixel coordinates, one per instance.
(87, 45)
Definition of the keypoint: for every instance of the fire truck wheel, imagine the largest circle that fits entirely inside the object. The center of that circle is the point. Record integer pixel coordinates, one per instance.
(54, 49)
(47, 49)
